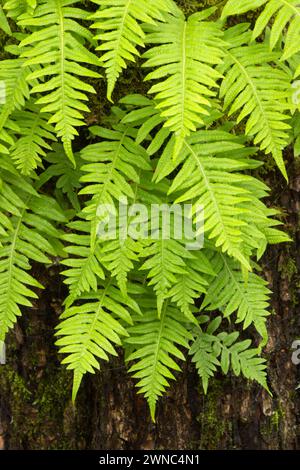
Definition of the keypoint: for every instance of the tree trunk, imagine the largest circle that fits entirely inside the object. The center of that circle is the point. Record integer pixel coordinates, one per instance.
(36, 411)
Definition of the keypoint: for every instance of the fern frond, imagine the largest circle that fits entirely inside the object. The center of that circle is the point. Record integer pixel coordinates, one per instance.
(57, 44)
(4, 25)
(31, 236)
(210, 351)
(153, 341)
(15, 8)
(67, 177)
(217, 153)
(165, 259)
(13, 74)
(230, 292)
(190, 285)
(257, 91)
(108, 169)
(90, 331)
(121, 31)
(85, 266)
(119, 258)
(186, 72)
(203, 352)
(286, 19)
(32, 142)
(202, 181)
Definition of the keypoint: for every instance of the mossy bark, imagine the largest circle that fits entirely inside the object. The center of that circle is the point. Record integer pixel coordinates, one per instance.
(35, 390)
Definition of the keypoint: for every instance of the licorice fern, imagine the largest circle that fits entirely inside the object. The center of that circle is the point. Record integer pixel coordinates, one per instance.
(186, 73)
(57, 45)
(257, 91)
(31, 236)
(210, 351)
(156, 343)
(285, 15)
(32, 138)
(89, 331)
(119, 25)
(13, 75)
(220, 99)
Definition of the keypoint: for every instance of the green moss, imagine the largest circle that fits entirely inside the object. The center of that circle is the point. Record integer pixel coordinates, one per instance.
(288, 269)
(213, 426)
(270, 427)
(37, 403)
(12, 382)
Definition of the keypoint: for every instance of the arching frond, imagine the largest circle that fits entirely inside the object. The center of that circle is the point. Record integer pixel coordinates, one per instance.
(257, 91)
(201, 181)
(154, 344)
(57, 44)
(120, 30)
(32, 138)
(230, 292)
(108, 168)
(186, 73)
(284, 14)
(31, 236)
(211, 350)
(90, 331)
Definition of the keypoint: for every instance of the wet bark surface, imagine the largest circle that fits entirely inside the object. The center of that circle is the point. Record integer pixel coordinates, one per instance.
(35, 390)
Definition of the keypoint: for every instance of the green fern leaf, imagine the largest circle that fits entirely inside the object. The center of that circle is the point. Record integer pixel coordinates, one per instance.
(257, 91)
(204, 355)
(153, 342)
(230, 292)
(4, 25)
(186, 72)
(89, 332)
(201, 180)
(56, 44)
(85, 266)
(32, 142)
(286, 19)
(211, 350)
(108, 169)
(31, 236)
(165, 259)
(120, 31)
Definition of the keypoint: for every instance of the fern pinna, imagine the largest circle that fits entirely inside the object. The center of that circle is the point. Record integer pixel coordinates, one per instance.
(219, 100)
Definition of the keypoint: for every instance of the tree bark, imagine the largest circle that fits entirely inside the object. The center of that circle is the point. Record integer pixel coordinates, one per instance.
(35, 390)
